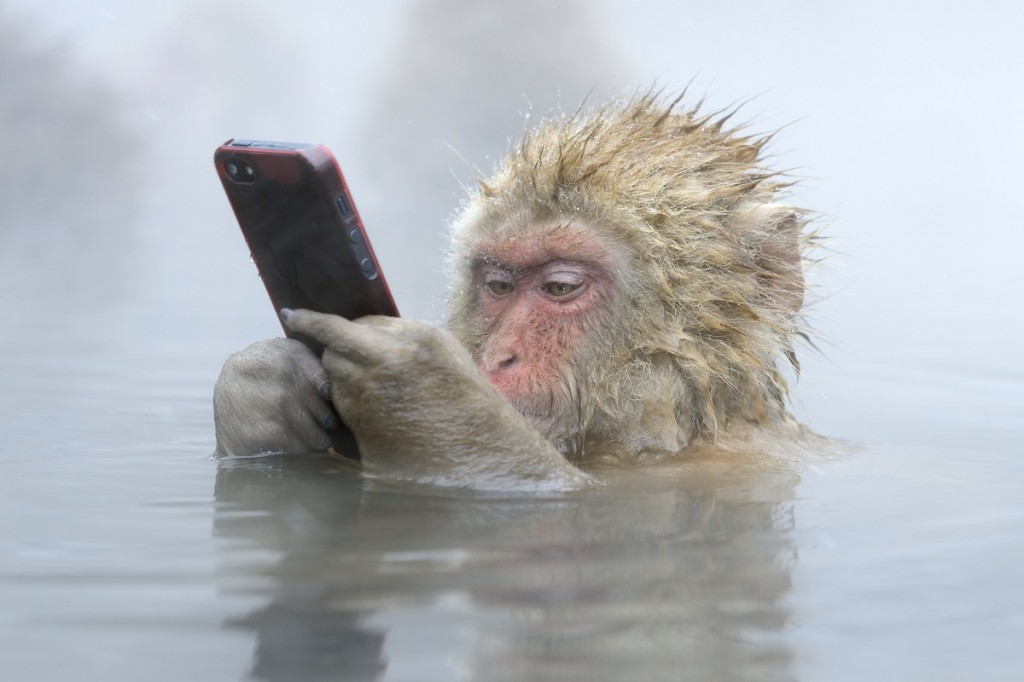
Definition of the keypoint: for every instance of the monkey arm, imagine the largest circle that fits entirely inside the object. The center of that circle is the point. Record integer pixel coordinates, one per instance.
(421, 410)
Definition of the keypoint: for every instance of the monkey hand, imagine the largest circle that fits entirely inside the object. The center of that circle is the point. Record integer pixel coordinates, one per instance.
(421, 410)
(274, 396)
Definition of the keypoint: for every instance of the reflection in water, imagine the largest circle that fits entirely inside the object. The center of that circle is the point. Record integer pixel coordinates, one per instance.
(658, 576)
(299, 638)
(276, 504)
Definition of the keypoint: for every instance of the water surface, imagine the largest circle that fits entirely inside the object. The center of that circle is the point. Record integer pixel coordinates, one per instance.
(128, 553)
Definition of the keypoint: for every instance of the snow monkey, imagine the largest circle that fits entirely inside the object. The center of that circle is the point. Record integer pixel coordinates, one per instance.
(623, 289)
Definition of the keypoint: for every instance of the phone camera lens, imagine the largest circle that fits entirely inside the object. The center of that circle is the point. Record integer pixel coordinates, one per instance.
(240, 171)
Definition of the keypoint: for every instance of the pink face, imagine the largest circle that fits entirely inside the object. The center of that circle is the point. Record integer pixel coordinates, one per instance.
(538, 299)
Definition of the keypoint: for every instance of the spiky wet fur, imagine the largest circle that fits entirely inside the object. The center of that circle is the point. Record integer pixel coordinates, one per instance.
(710, 277)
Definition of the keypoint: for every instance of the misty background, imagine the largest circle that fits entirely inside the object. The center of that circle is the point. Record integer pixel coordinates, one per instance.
(119, 254)
(126, 284)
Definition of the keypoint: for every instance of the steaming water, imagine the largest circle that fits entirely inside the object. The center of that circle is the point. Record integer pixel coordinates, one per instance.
(127, 553)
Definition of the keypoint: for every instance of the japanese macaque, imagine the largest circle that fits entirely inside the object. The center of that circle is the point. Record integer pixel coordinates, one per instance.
(624, 287)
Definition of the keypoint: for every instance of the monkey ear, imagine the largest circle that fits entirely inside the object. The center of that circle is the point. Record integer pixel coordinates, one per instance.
(771, 236)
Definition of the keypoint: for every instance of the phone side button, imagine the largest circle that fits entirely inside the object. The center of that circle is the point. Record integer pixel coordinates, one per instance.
(369, 271)
(344, 207)
(365, 260)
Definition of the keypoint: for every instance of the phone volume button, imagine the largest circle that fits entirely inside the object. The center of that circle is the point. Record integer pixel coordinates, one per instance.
(344, 207)
(369, 269)
(366, 265)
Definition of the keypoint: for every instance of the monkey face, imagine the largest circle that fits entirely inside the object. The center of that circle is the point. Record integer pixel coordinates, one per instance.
(537, 298)
(534, 317)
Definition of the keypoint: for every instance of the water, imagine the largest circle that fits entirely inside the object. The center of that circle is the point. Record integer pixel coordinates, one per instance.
(128, 553)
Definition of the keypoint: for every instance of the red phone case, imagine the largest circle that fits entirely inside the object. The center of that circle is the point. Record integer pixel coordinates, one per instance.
(303, 229)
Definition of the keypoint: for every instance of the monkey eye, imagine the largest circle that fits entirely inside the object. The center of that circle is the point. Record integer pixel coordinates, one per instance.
(561, 289)
(500, 287)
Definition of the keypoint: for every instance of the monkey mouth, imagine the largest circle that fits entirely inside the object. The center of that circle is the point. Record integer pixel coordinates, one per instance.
(553, 409)
(554, 416)
(532, 415)
(533, 405)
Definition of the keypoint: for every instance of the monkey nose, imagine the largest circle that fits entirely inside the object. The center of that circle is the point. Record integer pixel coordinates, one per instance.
(499, 362)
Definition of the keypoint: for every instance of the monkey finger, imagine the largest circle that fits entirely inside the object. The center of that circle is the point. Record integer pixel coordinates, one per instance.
(311, 368)
(382, 322)
(310, 431)
(322, 410)
(340, 367)
(335, 332)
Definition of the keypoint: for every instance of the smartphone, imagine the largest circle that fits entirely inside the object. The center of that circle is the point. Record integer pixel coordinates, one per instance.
(303, 231)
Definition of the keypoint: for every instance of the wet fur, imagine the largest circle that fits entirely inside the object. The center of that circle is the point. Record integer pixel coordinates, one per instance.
(708, 270)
